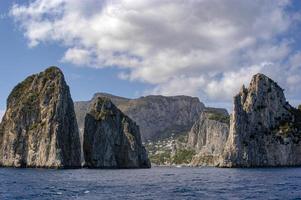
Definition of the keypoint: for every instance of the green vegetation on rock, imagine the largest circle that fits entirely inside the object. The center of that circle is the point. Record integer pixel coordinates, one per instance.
(219, 117)
(183, 156)
(30, 102)
(170, 151)
(32, 98)
(19, 90)
(103, 109)
(182, 138)
(288, 127)
(51, 71)
(160, 158)
(103, 114)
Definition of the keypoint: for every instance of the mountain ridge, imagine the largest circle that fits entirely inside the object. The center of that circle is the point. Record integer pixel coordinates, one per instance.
(158, 116)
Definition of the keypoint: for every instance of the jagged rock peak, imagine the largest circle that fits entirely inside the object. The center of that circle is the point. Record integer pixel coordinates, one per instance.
(111, 139)
(39, 128)
(265, 129)
(49, 74)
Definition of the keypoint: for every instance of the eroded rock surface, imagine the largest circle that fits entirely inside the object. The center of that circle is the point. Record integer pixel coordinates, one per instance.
(111, 139)
(265, 130)
(39, 128)
(208, 137)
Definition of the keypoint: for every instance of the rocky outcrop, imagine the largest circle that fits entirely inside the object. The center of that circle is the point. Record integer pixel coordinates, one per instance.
(39, 128)
(265, 129)
(111, 139)
(208, 137)
(82, 107)
(157, 116)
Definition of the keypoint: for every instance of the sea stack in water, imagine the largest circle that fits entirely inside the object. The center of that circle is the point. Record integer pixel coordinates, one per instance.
(39, 128)
(111, 139)
(208, 137)
(265, 131)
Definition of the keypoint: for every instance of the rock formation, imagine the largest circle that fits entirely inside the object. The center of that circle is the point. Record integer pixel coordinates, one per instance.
(208, 137)
(111, 139)
(265, 130)
(39, 128)
(157, 116)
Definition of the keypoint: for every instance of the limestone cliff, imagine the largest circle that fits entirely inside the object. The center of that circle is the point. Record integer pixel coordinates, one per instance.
(208, 137)
(111, 139)
(157, 116)
(39, 128)
(265, 130)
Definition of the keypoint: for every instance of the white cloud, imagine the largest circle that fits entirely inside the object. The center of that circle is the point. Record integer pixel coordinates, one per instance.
(77, 56)
(295, 60)
(195, 47)
(212, 87)
(231, 81)
(179, 86)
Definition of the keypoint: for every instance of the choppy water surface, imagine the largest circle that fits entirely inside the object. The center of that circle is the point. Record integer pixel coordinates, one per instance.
(155, 183)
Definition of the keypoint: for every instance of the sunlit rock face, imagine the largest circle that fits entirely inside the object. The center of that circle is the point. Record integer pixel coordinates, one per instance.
(39, 128)
(111, 139)
(265, 130)
(208, 137)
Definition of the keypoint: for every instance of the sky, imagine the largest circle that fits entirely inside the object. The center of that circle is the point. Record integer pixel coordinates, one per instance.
(130, 48)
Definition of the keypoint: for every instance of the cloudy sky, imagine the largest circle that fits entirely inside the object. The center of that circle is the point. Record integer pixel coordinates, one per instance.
(204, 48)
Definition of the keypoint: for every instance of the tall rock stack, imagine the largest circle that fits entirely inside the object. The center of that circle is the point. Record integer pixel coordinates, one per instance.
(39, 128)
(265, 130)
(208, 137)
(111, 139)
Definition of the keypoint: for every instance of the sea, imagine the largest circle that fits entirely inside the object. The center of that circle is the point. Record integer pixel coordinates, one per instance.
(157, 183)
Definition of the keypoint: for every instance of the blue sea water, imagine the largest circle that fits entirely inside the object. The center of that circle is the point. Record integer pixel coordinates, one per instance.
(156, 183)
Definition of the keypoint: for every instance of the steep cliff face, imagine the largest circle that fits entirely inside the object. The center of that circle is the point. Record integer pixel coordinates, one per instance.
(157, 116)
(208, 137)
(82, 107)
(111, 139)
(264, 130)
(39, 128)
